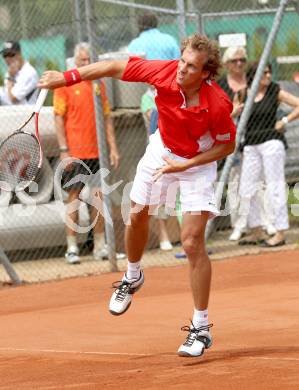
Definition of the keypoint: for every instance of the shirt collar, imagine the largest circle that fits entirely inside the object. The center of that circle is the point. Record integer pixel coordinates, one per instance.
(204, 90)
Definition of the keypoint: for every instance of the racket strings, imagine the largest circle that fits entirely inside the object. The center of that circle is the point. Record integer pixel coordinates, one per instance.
(19, 159)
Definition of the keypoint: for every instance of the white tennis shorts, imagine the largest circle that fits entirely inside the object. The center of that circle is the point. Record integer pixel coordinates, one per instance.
(196, 185)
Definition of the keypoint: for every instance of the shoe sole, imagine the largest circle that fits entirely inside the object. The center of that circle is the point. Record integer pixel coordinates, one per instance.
(115, 313)
(186, 354)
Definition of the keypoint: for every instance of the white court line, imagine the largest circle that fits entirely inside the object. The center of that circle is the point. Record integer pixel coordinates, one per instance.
(76, 352)
(274, 358)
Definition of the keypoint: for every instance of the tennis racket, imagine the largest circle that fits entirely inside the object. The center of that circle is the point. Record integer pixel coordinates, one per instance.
(21, 154)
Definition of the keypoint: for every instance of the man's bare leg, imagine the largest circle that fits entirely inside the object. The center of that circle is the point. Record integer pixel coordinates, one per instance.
(193, 241)
(136, 236)
(136, 233)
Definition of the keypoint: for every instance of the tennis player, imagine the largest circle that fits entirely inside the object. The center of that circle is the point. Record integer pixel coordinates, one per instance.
(195, 130)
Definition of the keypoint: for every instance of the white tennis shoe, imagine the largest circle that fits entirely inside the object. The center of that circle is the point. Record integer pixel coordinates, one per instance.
(270, 229)
(72, 257)
(197, 341)
(166, 245)
(122, 297)
(236, 235)
(102, 254)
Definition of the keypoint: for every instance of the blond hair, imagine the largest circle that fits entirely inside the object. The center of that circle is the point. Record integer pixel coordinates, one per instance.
(231, 52)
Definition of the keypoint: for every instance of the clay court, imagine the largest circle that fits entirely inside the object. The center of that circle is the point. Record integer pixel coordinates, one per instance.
(60, 335)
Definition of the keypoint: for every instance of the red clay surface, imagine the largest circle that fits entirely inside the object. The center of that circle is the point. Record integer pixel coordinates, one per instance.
(60, 335)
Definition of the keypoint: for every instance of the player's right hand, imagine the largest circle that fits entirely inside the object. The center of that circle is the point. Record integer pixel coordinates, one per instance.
(51, 79)
(13, 68)
(64, 156)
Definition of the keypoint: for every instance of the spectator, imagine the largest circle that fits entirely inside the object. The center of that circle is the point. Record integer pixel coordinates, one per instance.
(234, 83)
(264, 157)
(20, 84)
(150, 113)
(76, 133)
(152, 42)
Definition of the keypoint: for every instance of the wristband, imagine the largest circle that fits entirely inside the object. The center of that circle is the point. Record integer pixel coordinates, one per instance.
(71, 77)
(64, 149)
(285, 120)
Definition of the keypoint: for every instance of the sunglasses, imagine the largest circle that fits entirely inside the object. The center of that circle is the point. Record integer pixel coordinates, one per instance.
(236, 60)
(9, 55)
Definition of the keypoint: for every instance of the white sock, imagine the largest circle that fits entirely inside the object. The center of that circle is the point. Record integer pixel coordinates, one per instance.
(72, 244)
(98, 241)
(200, 318)
(133, 270)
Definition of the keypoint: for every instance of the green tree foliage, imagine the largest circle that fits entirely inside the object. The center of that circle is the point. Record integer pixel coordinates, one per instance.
(292, 46)
(258, 45)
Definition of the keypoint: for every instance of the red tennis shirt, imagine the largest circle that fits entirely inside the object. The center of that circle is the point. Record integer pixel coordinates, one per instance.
(186, 131)
(75, 104)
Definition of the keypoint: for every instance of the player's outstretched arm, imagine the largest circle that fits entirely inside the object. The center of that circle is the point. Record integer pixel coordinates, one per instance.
(52, 79)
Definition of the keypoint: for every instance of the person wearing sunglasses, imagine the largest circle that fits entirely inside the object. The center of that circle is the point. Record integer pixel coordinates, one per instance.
(234, 83)
(20, 83)
(264, 157)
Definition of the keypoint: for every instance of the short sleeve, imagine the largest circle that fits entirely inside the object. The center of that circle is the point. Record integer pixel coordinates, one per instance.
(60, 101)
(224, 129)
(147, 71)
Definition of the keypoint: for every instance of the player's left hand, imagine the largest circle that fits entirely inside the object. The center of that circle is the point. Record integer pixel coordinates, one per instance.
(114, 158)
(237, 106)
(279, 126)
(170, 167)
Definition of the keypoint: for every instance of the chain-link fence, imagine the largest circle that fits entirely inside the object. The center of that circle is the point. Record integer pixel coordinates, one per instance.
(32, 229)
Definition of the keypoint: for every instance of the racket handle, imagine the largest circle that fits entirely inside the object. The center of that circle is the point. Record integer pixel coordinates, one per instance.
(40, 100)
